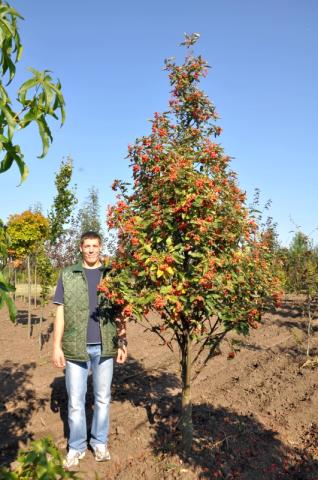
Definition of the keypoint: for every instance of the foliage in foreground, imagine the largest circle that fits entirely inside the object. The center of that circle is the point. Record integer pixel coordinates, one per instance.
(38, 99)
(5, 287)
(42, 461)
(189, 248)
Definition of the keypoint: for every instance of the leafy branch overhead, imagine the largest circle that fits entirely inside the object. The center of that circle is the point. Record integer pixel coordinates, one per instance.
(38, 98)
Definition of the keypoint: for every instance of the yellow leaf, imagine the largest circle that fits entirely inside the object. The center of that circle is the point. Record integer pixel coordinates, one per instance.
(159, 273)
(170, 270)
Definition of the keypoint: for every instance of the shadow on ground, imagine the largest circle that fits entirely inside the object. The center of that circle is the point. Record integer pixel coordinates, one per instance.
(226, 445)
(18, 402)
(22, 318)
(45, 336)
(231, 446)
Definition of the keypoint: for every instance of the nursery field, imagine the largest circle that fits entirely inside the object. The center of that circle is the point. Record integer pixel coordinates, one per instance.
(255, 416)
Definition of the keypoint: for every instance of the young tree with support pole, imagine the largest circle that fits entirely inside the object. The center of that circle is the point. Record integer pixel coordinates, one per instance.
(28, 231)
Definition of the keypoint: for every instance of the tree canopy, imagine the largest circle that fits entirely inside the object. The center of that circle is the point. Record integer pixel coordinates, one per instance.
(27, 232)
(189, 248)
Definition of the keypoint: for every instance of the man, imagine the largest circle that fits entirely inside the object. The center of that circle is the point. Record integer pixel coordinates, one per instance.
(86, 337)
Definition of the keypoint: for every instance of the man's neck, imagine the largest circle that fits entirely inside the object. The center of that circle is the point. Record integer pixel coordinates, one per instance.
(91, 265)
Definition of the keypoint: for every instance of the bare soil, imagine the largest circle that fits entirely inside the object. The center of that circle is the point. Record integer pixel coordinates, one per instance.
(255, 416)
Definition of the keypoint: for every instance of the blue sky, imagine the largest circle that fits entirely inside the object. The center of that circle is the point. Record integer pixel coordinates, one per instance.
(109, 58)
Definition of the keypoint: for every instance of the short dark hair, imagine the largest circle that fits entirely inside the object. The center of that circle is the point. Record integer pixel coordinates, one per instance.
(90, 235)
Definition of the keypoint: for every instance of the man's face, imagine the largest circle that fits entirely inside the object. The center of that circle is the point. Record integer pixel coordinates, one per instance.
(90, 249)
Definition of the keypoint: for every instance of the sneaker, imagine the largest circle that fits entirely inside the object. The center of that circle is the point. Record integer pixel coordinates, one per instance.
(72, 458)
(101, 453)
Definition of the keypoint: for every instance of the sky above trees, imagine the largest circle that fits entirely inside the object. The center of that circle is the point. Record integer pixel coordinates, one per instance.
(109, 58)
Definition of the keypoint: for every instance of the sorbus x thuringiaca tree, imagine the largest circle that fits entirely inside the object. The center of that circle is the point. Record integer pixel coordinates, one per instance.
(188, 247)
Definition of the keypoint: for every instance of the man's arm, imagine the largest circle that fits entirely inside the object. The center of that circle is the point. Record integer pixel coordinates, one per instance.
(122, 341)
(58, 359)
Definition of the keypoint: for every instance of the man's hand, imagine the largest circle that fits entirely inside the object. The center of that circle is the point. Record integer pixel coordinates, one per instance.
(58, 358)
(122, 354)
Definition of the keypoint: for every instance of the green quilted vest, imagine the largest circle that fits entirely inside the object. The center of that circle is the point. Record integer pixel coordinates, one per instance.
(76, 312)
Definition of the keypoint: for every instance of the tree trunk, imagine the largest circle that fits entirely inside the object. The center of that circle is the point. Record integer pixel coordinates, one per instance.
(15, 283)
(41, 324)
(186, 411)
(14, 293)
(309, 327)
(29, 295)
(35, 286)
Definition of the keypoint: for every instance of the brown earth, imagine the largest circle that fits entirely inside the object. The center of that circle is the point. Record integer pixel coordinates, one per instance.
(255, 416)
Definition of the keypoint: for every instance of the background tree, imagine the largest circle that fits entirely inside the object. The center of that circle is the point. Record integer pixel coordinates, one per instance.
(27, 231)
(65, 250)
(47, 279)
(89, 213)
(64, 201)
(301, 265)
(268, 229)
(188, 247)
(37, 99)
(63, 222)
(35, 208)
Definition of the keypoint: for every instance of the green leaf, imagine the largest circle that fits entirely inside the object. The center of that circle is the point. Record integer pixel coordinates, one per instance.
(9, 117)
(6, 163)
(11, 306)
(165, 289)
(5, 286)
(29, 117)
(9, 39)
(32, 82)
(14, 154)
(4, 95)
(196, 254)
(169, 242)
(23, 168)
(45, 135)
(19, 52)
(147, 247)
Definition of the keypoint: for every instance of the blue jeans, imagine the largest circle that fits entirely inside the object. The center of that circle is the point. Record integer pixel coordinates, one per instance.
(76, 385)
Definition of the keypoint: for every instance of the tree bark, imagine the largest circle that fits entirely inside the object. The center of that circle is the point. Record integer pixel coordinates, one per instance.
(186, 406)
(41, 324)
(309, 326)
(14, 293)
(29, 295)
(15, 283)
(35, 286)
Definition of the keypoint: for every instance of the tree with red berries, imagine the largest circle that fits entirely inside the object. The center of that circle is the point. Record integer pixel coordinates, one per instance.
(188, 248)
